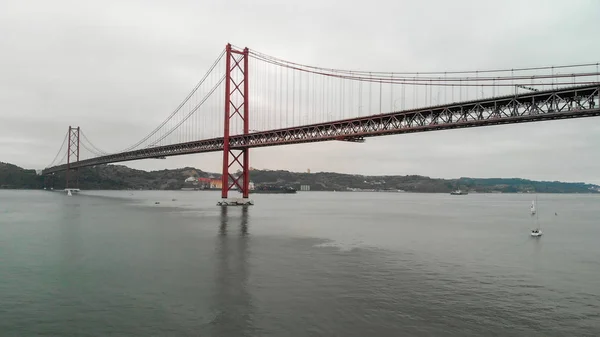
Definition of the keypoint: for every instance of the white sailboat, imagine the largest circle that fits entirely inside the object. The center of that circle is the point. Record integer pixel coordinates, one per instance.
(69, 193)
(537, 231)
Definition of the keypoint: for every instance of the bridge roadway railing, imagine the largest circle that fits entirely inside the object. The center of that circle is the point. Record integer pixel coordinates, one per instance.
(563, 103)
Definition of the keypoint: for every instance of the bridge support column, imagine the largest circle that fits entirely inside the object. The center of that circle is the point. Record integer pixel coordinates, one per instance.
(236, 157)
(72, 153)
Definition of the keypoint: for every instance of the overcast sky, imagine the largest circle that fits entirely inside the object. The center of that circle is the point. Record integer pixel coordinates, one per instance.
(118, 68)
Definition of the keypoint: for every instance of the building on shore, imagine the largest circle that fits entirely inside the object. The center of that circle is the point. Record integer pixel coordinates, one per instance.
(216, 183)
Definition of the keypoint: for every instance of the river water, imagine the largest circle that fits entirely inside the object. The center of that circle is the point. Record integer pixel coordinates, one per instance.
(312, 264)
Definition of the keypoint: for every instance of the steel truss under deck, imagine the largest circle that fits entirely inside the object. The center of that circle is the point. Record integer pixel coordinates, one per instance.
(563, 103)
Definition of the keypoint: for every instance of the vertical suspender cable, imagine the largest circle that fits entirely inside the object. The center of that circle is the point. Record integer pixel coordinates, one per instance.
(380, 96)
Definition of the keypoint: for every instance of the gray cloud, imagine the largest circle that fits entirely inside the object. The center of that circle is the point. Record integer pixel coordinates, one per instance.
(117, 69)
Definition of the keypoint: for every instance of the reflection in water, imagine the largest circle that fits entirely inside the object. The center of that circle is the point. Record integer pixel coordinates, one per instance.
(537, 245)
(243, 221)
(70, 239)
(223, 227)
(232, 302)
(70, 257)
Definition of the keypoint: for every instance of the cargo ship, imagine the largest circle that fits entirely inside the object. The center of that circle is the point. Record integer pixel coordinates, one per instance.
(273, 189)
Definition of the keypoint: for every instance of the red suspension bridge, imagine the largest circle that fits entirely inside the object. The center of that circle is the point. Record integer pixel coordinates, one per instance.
(248, 99)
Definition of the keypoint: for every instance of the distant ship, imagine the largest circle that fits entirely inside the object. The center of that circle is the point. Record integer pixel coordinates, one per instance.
(458, 192)
(273, 189)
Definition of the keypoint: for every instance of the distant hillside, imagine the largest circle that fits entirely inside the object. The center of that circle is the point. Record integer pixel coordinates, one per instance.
(105, 177)
(12, 176)
(326, 181)
(123, 177)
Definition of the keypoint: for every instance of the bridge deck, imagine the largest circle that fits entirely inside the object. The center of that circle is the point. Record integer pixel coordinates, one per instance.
(571, 102)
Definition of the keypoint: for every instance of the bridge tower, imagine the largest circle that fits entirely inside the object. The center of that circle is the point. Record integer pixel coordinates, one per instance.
(72, 155)
(236, 161)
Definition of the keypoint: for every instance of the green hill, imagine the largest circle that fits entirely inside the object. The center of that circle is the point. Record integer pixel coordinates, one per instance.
(12, 176)
(327, 181)
(122, 177)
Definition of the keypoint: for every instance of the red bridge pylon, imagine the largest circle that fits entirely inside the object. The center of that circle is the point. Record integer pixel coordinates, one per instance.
(236, 162)
(72, 154)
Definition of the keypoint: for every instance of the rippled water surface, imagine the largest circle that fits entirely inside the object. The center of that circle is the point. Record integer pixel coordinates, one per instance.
(312, 264)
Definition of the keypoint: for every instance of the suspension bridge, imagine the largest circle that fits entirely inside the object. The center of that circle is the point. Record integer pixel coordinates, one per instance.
(248, 99)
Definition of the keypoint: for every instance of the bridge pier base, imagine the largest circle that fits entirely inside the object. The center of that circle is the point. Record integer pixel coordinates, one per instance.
(235, 202)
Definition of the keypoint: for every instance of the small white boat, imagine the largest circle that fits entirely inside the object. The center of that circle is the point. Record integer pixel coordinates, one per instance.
(71, 191)
(537, 231)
